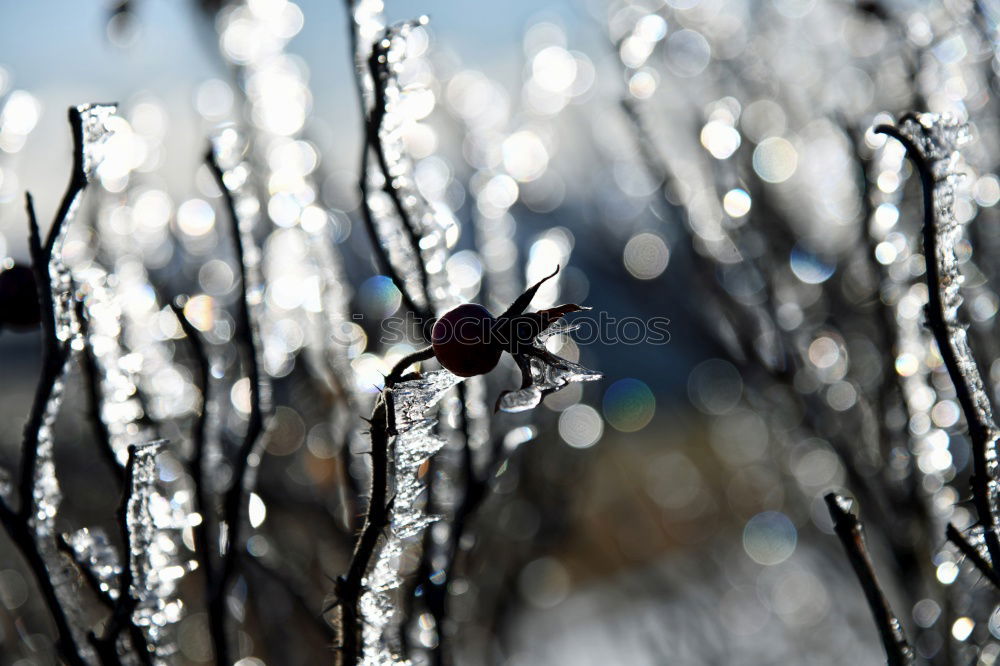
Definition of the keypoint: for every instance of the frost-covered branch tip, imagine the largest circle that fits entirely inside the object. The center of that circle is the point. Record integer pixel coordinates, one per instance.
(932, 143)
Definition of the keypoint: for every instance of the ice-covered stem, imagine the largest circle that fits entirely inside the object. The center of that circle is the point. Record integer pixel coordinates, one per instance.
(55, 351)
(381, 255)
(378, 68)
(55, 354)
(349, 588)
(235, 496)
(106, 645)
(955, 536)
(930, 148)
(381, 73)
(22, 536)
(849, 531)
(90, 578)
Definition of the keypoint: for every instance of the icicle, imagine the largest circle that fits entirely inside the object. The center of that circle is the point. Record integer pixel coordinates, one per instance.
(93, 551)
(550, 375)
(46, 494)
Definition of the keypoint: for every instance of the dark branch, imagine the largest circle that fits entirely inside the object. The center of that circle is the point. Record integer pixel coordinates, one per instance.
(349, 588)
(201, 531)
(373, 142)
(247, 334)
(971, 552)
(849, 531)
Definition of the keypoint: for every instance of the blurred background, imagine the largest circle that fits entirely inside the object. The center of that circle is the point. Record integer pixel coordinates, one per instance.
(705, 162)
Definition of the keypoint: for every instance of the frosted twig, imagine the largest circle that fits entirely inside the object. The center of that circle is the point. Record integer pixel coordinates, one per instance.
(86, 571)
(930, 147)
(849, 531)
(381, 73)
(127, 601)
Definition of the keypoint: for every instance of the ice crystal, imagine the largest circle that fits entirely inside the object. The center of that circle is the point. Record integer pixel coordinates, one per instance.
(154, 522)
(93, 552)
(550, 373)
(230, 149)
(94, 133)
(96, 121)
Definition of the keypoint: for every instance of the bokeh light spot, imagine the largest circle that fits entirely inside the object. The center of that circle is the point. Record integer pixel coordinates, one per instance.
(769, 538)
(646, 256)
(378, 297)
(629, 405)
(580, 426)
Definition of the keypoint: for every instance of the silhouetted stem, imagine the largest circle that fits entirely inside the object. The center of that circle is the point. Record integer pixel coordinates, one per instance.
(971, 552)
(350, 587)
(378, 67)
(372, 123)
(201, 531)
(236, 495)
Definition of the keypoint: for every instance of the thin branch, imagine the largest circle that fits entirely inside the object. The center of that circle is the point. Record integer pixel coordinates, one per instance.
(378, 67)
(247, 333)
(55, 354)
(86, 572)
(982, 431)
(849, 531)
(396, 375)
(200, 532)
(955, 536)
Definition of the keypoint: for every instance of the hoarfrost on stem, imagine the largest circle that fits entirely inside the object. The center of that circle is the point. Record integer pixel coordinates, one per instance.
(414, 443)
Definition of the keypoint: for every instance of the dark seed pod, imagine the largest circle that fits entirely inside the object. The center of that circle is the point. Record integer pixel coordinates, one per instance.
(19, 299)
(463, 343)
